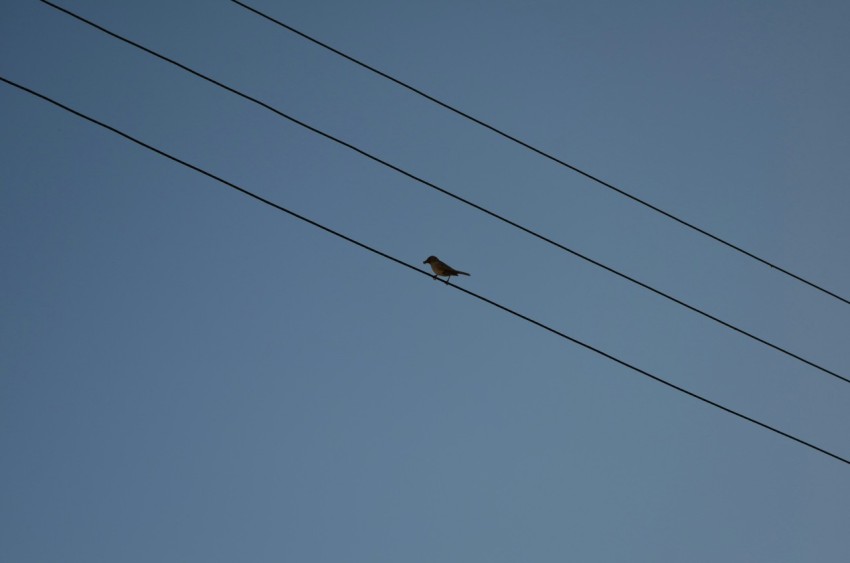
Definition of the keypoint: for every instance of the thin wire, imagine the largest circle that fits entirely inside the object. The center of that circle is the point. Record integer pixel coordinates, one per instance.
(450, 194)
(538, 151)
(418, 271)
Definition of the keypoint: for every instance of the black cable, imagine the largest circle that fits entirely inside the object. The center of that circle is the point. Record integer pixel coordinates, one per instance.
(417, 270)
(538, 151)
(448, 193)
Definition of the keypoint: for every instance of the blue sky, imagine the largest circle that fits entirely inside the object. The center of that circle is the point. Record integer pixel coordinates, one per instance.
(189, 375)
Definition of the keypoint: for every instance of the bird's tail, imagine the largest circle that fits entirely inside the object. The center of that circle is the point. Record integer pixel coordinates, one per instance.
(461, 273)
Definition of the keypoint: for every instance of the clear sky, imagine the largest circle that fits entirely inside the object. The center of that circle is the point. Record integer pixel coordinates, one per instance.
(187, 375)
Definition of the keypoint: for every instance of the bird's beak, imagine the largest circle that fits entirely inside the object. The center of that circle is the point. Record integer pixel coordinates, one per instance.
(424, 261)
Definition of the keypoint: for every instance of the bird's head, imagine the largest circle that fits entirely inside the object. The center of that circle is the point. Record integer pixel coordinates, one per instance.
(430, 259)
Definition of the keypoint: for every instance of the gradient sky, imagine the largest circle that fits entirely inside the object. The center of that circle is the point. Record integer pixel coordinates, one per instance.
(187, 375)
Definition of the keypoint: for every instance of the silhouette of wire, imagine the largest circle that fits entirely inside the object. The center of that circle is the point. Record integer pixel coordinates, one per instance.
(539, 151)
(415, 269)
(451, 194)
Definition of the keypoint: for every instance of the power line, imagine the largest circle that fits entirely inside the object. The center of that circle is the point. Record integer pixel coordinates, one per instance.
(450, 194)
(539, 151)
(417, 270)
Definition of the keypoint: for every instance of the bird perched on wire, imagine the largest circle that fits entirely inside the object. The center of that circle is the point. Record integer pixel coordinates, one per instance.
(440, 268)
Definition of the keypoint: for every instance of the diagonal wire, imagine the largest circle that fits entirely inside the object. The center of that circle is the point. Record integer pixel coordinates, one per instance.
(421, 272)
(450, 194)
(539, 151)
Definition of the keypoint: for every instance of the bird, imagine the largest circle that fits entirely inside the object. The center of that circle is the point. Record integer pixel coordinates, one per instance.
(440, 268)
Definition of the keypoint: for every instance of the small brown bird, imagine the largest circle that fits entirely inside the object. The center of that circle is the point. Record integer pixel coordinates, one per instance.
(440, 268)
